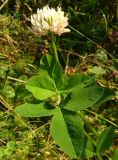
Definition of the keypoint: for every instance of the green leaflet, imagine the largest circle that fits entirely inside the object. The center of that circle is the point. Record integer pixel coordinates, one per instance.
(46, 65)
(88, 149)
(104, 140)
(52, 69)
(34, 110)
(83, 98)
(76, 81)
(108, 94)
(67, 130)
(7, 91)
(42, 87)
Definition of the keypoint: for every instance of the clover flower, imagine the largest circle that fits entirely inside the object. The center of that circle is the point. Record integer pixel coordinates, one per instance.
(49, 20)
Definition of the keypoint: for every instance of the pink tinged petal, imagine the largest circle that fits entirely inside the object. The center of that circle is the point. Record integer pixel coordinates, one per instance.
(48, 19)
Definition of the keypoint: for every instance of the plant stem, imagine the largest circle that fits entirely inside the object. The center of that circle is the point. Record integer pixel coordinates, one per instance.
(15, 79)
(67, 62)
(93, 131)
(4, 102)
(54, 47)
(113, 124)
(88, 136)
(99, 156)
(88, 124)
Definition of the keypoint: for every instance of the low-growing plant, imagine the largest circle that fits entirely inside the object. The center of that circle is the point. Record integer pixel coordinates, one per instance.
(65, 97)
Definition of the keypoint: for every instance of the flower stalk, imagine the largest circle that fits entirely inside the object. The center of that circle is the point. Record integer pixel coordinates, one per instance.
(53, 39)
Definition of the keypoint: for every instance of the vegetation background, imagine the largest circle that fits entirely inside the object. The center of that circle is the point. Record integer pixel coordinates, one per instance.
(94, 50)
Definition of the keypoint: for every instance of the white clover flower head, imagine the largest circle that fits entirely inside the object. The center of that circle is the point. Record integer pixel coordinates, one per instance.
(49, 20)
